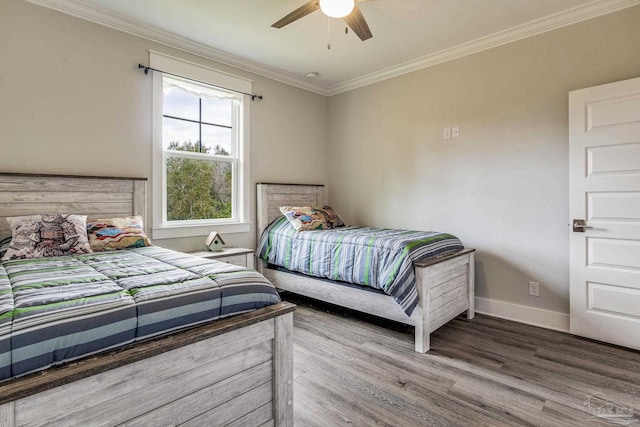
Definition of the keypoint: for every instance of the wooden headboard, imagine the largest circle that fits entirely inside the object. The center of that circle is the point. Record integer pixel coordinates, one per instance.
(272, 196)
(96, 197)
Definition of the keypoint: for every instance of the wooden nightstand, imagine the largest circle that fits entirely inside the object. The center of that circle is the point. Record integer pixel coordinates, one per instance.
(230, 254)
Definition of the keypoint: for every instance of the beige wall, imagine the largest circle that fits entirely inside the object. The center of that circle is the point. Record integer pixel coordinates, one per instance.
(502, 187)
(72, 101)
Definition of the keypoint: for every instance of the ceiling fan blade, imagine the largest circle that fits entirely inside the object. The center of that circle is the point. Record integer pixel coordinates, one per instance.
(355, 20)
(300, 12)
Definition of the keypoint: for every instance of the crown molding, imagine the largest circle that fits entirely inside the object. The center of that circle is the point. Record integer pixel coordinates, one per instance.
(90, 13)
(581, 13)
(562, 19)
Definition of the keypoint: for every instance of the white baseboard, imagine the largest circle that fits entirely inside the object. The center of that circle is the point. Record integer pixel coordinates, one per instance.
(523, 314)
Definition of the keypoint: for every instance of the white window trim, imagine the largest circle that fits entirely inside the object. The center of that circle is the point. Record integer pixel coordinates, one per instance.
(161, 229)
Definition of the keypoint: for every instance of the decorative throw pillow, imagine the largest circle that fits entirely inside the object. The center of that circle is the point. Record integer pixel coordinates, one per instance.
(47, 235)
(311, 217)
(117, 233)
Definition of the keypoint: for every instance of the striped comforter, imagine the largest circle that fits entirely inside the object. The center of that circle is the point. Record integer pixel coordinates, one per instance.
(379, 258)
(6, 310)
(58, 309)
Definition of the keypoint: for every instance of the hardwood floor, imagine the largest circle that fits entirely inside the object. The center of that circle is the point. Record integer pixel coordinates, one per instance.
(486, 371)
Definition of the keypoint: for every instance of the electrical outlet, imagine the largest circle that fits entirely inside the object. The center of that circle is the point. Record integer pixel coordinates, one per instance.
(455, 132)
(534, 289)
(446, 133)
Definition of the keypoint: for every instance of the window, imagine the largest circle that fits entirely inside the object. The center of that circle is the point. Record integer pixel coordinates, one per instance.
(200, 153)
(199, 134)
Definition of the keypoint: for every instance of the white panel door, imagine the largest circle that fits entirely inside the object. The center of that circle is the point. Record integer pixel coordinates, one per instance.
(604, 163)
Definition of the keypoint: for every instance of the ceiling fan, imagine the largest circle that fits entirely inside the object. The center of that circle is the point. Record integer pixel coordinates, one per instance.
(346, 9)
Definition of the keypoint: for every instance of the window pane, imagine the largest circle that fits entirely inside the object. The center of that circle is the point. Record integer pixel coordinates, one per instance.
(217, 140)
(198, 189)
(178, 103)
(217, 111)
(180, 135)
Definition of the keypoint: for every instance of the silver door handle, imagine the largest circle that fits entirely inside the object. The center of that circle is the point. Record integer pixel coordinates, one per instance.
(580, 225)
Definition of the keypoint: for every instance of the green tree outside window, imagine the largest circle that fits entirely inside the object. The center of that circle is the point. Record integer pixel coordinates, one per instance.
(198, 189)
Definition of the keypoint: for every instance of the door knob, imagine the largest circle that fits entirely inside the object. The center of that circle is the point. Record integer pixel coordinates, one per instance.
(580, 225)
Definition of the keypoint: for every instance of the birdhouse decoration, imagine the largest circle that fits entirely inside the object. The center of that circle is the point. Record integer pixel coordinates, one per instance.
(214, 242)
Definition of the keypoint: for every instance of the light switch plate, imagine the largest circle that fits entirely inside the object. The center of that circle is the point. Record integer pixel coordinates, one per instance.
(534, 289)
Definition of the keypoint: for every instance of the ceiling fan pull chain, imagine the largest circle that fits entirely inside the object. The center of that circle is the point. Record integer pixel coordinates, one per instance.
(328, 32)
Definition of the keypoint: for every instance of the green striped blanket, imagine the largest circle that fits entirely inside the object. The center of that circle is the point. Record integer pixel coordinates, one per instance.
(58, 309)
(375, 257)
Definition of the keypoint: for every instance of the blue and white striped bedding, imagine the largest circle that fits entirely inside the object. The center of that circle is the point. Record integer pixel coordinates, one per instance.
(379, 258)
(54, 310)
(6, 310)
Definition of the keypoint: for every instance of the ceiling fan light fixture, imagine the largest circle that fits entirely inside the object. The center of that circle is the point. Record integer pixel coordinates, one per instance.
(337, 8)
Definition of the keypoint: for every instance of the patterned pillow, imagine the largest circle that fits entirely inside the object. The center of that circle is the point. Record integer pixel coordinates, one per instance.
(311, 217)
(47, 235)
(117, 233)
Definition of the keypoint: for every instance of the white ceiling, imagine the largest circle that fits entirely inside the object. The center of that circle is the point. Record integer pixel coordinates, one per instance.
(407, 34)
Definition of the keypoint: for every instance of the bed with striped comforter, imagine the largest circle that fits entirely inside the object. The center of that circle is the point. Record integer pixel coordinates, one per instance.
(380, 258)
(58, 309)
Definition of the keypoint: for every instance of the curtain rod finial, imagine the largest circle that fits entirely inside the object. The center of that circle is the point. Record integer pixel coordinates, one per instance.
(146, 69)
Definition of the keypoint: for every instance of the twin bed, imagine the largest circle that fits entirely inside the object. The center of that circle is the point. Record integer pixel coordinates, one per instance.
(441, 274)
(149, 336)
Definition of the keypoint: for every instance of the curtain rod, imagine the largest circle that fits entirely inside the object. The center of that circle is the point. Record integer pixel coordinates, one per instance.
(252, 95)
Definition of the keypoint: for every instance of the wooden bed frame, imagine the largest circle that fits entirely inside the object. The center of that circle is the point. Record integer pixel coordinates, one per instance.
(236, 371)
(445, 284)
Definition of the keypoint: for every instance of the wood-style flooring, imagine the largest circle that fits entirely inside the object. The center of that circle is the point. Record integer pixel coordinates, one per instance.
(350, 371)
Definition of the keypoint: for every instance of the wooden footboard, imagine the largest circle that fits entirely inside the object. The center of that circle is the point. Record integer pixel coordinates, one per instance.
(236, 371)
(446, 289)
